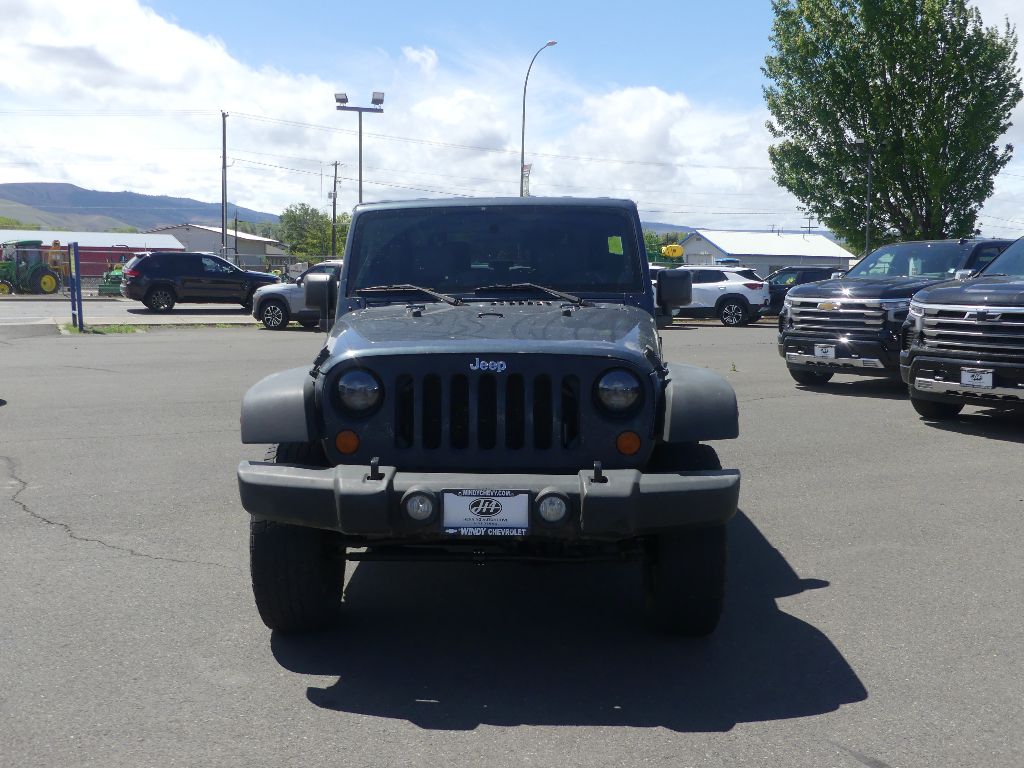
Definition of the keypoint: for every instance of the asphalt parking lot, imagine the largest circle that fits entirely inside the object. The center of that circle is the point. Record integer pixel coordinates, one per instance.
(873, 616)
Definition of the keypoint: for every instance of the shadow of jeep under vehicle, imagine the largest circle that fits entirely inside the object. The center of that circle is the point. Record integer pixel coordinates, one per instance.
(992, 423)
(878, 389)
(454, 646)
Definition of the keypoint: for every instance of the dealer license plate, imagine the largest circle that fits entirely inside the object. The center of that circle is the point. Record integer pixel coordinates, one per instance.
(486, 512)
(976, 378)
(825, 351)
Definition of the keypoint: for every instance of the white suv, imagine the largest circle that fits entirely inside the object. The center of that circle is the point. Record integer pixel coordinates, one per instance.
(735, 295)
(287, 301)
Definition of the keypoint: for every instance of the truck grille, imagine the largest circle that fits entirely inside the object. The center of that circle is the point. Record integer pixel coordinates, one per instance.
(487, 411)
(967, 329)
(830, 318)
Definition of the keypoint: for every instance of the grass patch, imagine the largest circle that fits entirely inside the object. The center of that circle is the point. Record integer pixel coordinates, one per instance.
(105, 329)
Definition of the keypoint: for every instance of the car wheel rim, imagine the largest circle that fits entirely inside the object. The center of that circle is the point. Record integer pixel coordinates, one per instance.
(272, 316)
(161, 300)
(732, 314)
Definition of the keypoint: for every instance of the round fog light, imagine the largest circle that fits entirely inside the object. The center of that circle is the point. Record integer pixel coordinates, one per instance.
(419, 506)
(552, 509)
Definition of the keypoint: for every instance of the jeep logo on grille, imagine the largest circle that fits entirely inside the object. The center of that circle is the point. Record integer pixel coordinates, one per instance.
(485, 507)
(487, 365)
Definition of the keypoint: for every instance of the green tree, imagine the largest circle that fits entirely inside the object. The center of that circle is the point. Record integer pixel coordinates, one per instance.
(307, 231)
(922, 84)
(652, 242)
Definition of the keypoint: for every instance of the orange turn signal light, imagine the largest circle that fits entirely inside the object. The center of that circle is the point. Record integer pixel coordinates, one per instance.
(628, 443)
(347, 442)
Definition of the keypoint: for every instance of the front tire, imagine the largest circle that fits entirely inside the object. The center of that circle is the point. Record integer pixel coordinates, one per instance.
(733, 313)
(274, 315)
(297, 573)
(810, 378)
(6, 287)
(685, 571)
(934, 411)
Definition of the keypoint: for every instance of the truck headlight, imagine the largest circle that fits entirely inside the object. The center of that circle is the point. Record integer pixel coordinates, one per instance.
(618, 390)
(895, 305)
(359, 391)
(916, 310)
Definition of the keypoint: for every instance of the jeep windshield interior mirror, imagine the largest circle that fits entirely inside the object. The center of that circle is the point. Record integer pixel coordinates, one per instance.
(962, 274)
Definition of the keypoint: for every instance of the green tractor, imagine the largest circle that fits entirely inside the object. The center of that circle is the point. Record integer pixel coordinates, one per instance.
(25, 268)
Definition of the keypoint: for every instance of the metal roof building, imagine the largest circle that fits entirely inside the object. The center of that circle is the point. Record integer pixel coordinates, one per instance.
(765, 251)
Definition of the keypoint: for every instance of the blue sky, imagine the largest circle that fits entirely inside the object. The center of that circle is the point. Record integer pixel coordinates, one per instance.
(657, 102)
(712, 51)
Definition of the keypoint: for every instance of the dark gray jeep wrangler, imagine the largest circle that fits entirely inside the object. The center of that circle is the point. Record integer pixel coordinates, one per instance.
(493, 388)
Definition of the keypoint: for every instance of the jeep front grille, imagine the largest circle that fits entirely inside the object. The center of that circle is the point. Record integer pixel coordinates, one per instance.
(831, 318)
(969, 329)
(487, 411)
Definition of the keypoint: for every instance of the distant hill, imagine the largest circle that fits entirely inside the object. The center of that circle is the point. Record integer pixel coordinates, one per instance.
(65, 206)
(653, 226)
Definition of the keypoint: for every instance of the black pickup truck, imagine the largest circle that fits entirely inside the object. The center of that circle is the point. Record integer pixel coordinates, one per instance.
(852, 324)
(963, 341)
(493, 388)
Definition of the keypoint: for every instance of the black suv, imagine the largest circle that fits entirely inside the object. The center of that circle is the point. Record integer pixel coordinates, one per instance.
(852, 324)
(782, 280)
(164, 278)
(478, 401)
(963, 342)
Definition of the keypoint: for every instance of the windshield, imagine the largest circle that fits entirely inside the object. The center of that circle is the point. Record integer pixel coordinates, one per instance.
(461, 249)
(1010, 262)
(934, 260)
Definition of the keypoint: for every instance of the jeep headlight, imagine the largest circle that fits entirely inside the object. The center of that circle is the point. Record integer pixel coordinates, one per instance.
(359, 391)
(618, 390)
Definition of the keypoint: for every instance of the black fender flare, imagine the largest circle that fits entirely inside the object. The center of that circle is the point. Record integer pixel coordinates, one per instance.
(280, 409)
(699, 405)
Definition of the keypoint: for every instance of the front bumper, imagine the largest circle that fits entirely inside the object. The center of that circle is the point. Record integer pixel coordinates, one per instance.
(939, 379)
(626, 504)
(865, 357)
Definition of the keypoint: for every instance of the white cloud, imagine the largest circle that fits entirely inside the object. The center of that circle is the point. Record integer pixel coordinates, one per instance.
(424, 58)
(141, 111)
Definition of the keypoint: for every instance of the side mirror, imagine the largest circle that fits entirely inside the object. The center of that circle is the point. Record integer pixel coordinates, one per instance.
(321, 292)
(675, 288)
(962, 274)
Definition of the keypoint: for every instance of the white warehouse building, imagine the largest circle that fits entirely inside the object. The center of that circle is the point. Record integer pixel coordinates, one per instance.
(764, 251)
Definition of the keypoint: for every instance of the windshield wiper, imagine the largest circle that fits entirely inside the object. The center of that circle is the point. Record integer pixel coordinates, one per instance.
(534, 287)
(453, 300)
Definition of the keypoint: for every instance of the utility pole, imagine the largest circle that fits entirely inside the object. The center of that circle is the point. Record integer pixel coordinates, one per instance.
(224, 184)
(808, 227)
(334, 208)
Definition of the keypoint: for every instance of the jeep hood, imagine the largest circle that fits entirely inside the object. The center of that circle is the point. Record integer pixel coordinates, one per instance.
(994, 291)
(509, 327)
(847, 288)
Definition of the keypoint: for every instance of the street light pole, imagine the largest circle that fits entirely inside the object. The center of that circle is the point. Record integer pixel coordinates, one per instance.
(377, 100)
(522, 144)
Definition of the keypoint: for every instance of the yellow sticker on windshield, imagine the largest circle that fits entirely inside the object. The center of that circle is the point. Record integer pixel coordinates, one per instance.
(615, 245)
